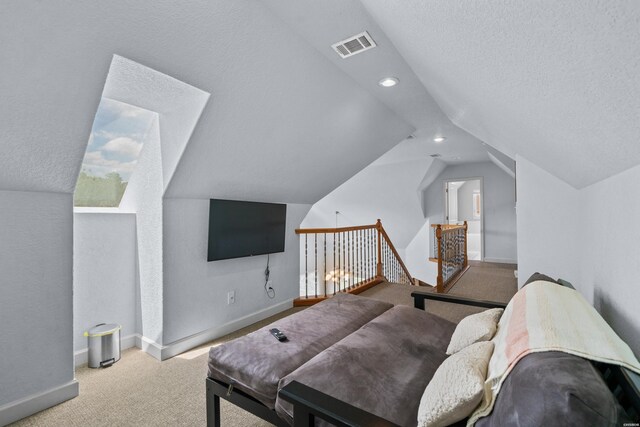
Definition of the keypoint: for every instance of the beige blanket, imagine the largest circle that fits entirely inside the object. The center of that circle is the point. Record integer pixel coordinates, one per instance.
(546, 317)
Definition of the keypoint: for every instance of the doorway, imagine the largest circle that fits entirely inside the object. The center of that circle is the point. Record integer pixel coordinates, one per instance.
(463, 202)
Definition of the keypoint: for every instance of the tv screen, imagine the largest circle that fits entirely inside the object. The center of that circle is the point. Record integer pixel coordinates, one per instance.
(239, 229)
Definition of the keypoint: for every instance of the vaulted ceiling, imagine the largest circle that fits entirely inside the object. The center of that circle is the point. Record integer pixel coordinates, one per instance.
(282, 123)
(555, 82)
(288, 120)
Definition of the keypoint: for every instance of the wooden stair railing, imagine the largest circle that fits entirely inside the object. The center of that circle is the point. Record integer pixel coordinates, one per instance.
(450, 251)
(347, 259)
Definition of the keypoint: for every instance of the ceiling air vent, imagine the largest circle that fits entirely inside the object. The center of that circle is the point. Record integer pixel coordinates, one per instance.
(353, 45)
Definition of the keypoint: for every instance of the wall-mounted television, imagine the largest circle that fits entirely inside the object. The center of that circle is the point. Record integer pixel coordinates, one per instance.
(239, 229)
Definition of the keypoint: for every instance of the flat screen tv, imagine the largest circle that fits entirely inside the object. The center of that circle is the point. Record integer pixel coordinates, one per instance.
(240, 229)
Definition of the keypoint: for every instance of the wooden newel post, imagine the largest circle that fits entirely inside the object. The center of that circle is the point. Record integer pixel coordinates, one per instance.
(439, 284)
(466, 260)
(379, 264)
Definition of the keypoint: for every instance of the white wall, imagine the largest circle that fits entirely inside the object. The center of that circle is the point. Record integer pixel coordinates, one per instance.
(389, 189)
(453, 204)
(416, 256)
(104, 273)
(610, 252)
(195, 291)
(465, 200)
(499, 206)
(383, 190)
(548, 225)
(36, 350)
(179, 106)
(584, 237)
(144, 196)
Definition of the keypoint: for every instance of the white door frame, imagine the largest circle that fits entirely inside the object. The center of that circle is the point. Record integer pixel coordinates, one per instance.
(446, 204)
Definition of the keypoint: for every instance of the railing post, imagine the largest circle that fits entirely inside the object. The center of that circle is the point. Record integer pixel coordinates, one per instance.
(379, 263)
(466, 260)
(439, 285)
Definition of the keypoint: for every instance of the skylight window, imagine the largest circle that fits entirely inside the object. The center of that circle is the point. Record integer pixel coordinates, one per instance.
(116, 140)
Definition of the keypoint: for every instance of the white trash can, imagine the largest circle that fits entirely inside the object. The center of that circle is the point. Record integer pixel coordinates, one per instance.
(104, 345)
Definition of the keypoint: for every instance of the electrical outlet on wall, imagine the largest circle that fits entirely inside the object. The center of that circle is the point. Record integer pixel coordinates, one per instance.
(231, 297)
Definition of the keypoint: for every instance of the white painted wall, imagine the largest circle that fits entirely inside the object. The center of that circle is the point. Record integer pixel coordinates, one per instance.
(389, 189)
(195, 291)
(453, 204)
(435, 169)
(499, 206)
(548, 225)
(104, 273)
(178, 106)
(416, 256)
(465, 213)
(144, 196)
(465, 199)
(582, 236)
(386, 190)
(36, 350)
(611, 251)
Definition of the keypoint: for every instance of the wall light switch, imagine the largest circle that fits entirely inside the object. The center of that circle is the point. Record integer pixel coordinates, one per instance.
(231, 297)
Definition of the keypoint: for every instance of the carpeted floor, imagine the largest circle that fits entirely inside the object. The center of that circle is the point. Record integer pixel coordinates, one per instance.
(487, 281)
(140, 391)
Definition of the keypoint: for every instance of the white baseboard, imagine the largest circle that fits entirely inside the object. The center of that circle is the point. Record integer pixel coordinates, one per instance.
(501, 260)
(29, 405)
(82, 356)
(192, 341)
(164, 352)
(150, 347)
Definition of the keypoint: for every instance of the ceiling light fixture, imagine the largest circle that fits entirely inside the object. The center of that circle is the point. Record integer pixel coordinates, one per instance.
(439, 139)
(389, 82)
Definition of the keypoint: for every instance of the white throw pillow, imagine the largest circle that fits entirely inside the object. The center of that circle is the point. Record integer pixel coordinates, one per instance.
(456, 388)
(474, 328)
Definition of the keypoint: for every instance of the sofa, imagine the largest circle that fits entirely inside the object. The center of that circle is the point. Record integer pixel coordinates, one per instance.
(356, 361)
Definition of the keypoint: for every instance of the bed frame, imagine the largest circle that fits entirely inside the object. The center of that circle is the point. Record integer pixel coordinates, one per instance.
(309, 403)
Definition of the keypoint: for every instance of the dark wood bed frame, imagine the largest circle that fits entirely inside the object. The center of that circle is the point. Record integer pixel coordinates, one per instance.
(309, 403)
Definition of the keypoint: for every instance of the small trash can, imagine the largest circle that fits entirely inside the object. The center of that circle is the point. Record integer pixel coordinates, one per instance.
(104, 345)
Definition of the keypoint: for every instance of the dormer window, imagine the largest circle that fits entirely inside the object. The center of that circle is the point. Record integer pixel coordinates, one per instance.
(114, 146)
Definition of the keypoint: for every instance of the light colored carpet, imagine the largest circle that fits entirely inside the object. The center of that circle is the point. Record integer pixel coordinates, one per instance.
(487, 281)
(140, 391)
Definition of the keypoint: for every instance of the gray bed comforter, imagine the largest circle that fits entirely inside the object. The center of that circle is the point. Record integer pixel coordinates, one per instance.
(395, 354)
(256, 362)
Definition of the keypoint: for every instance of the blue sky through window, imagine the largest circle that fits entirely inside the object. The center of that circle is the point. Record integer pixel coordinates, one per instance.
(116, 138)
(115, 143)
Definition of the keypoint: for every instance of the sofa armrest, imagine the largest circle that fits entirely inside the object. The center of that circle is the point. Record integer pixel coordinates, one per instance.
(309, 403)
(419, 297)
(625, 385)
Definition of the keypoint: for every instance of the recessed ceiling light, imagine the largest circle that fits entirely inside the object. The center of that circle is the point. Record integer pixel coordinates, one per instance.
(388, 82)
(439, 139)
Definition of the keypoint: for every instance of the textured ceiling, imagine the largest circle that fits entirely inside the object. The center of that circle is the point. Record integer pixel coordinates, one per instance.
(555, 82)
(283, 123)
(323, 23)
(178, 105)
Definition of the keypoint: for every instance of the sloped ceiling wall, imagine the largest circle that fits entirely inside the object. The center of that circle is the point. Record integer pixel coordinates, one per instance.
(284, 123)
(386, 190)
(555, 82)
